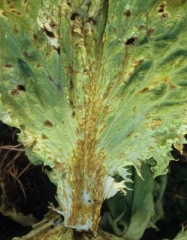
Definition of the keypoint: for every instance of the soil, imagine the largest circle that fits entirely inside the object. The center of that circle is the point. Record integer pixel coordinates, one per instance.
(24, 188)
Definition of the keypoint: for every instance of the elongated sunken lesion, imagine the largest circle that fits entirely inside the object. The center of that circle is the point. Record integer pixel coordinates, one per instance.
(87, 170)
(87, 166)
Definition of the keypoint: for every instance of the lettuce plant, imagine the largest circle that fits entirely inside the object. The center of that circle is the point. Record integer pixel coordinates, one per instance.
(96, 88)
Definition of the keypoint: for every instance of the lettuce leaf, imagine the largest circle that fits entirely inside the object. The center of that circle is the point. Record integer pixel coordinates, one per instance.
(181, 235)
(128, 216)
(94, 87)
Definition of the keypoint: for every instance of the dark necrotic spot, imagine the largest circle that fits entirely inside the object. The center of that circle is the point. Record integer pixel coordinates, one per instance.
(130, 41)
(57, 49)
(10, 4)
(21, 87)
(69, 3)
(74, 15)
(73, 114)
(17, 91)
(38, 65)
(50, 78)
(141, 27)
(150, 31)
(162, 6)
(164, 15)
(16, 12)
(161, 10)
(26, 54)
(85, 71)
(44, 137)
(70, 69)
(4, 13)
(8, 65)
(127, 13)
(71, 103)
(59, 87)
(172, 87)
(144, 90)
(52, 24)
(90, 19)
(14, 92)
(35, 37)
(48, 33)
(47, 123)
(71, 85)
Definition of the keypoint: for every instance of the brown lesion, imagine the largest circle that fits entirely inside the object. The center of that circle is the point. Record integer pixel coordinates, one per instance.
(47, 123)
(52, 24)
(162, 7)
(50, 78)
(16, 12)
(71, 72)
(73, 114)
(71, 87)
(57, 49)
(164, 16)
(8, 65)
(156, 123)
(12, 7)
(87, 170)
(138, 63)
(150, 31)
(167, 80)
(71, 102)
(145, 90)
(162, 10)
(44, 137)
(130, 41)
(10, 3)
(20, 87)
(48, 33)
(172, 86)
(129, 134)
(92, 20)
(127, 13)
(74, 16)
(35, 37)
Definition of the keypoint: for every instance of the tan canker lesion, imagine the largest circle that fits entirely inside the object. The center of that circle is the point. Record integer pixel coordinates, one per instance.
(87, 171)
(87, 165)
